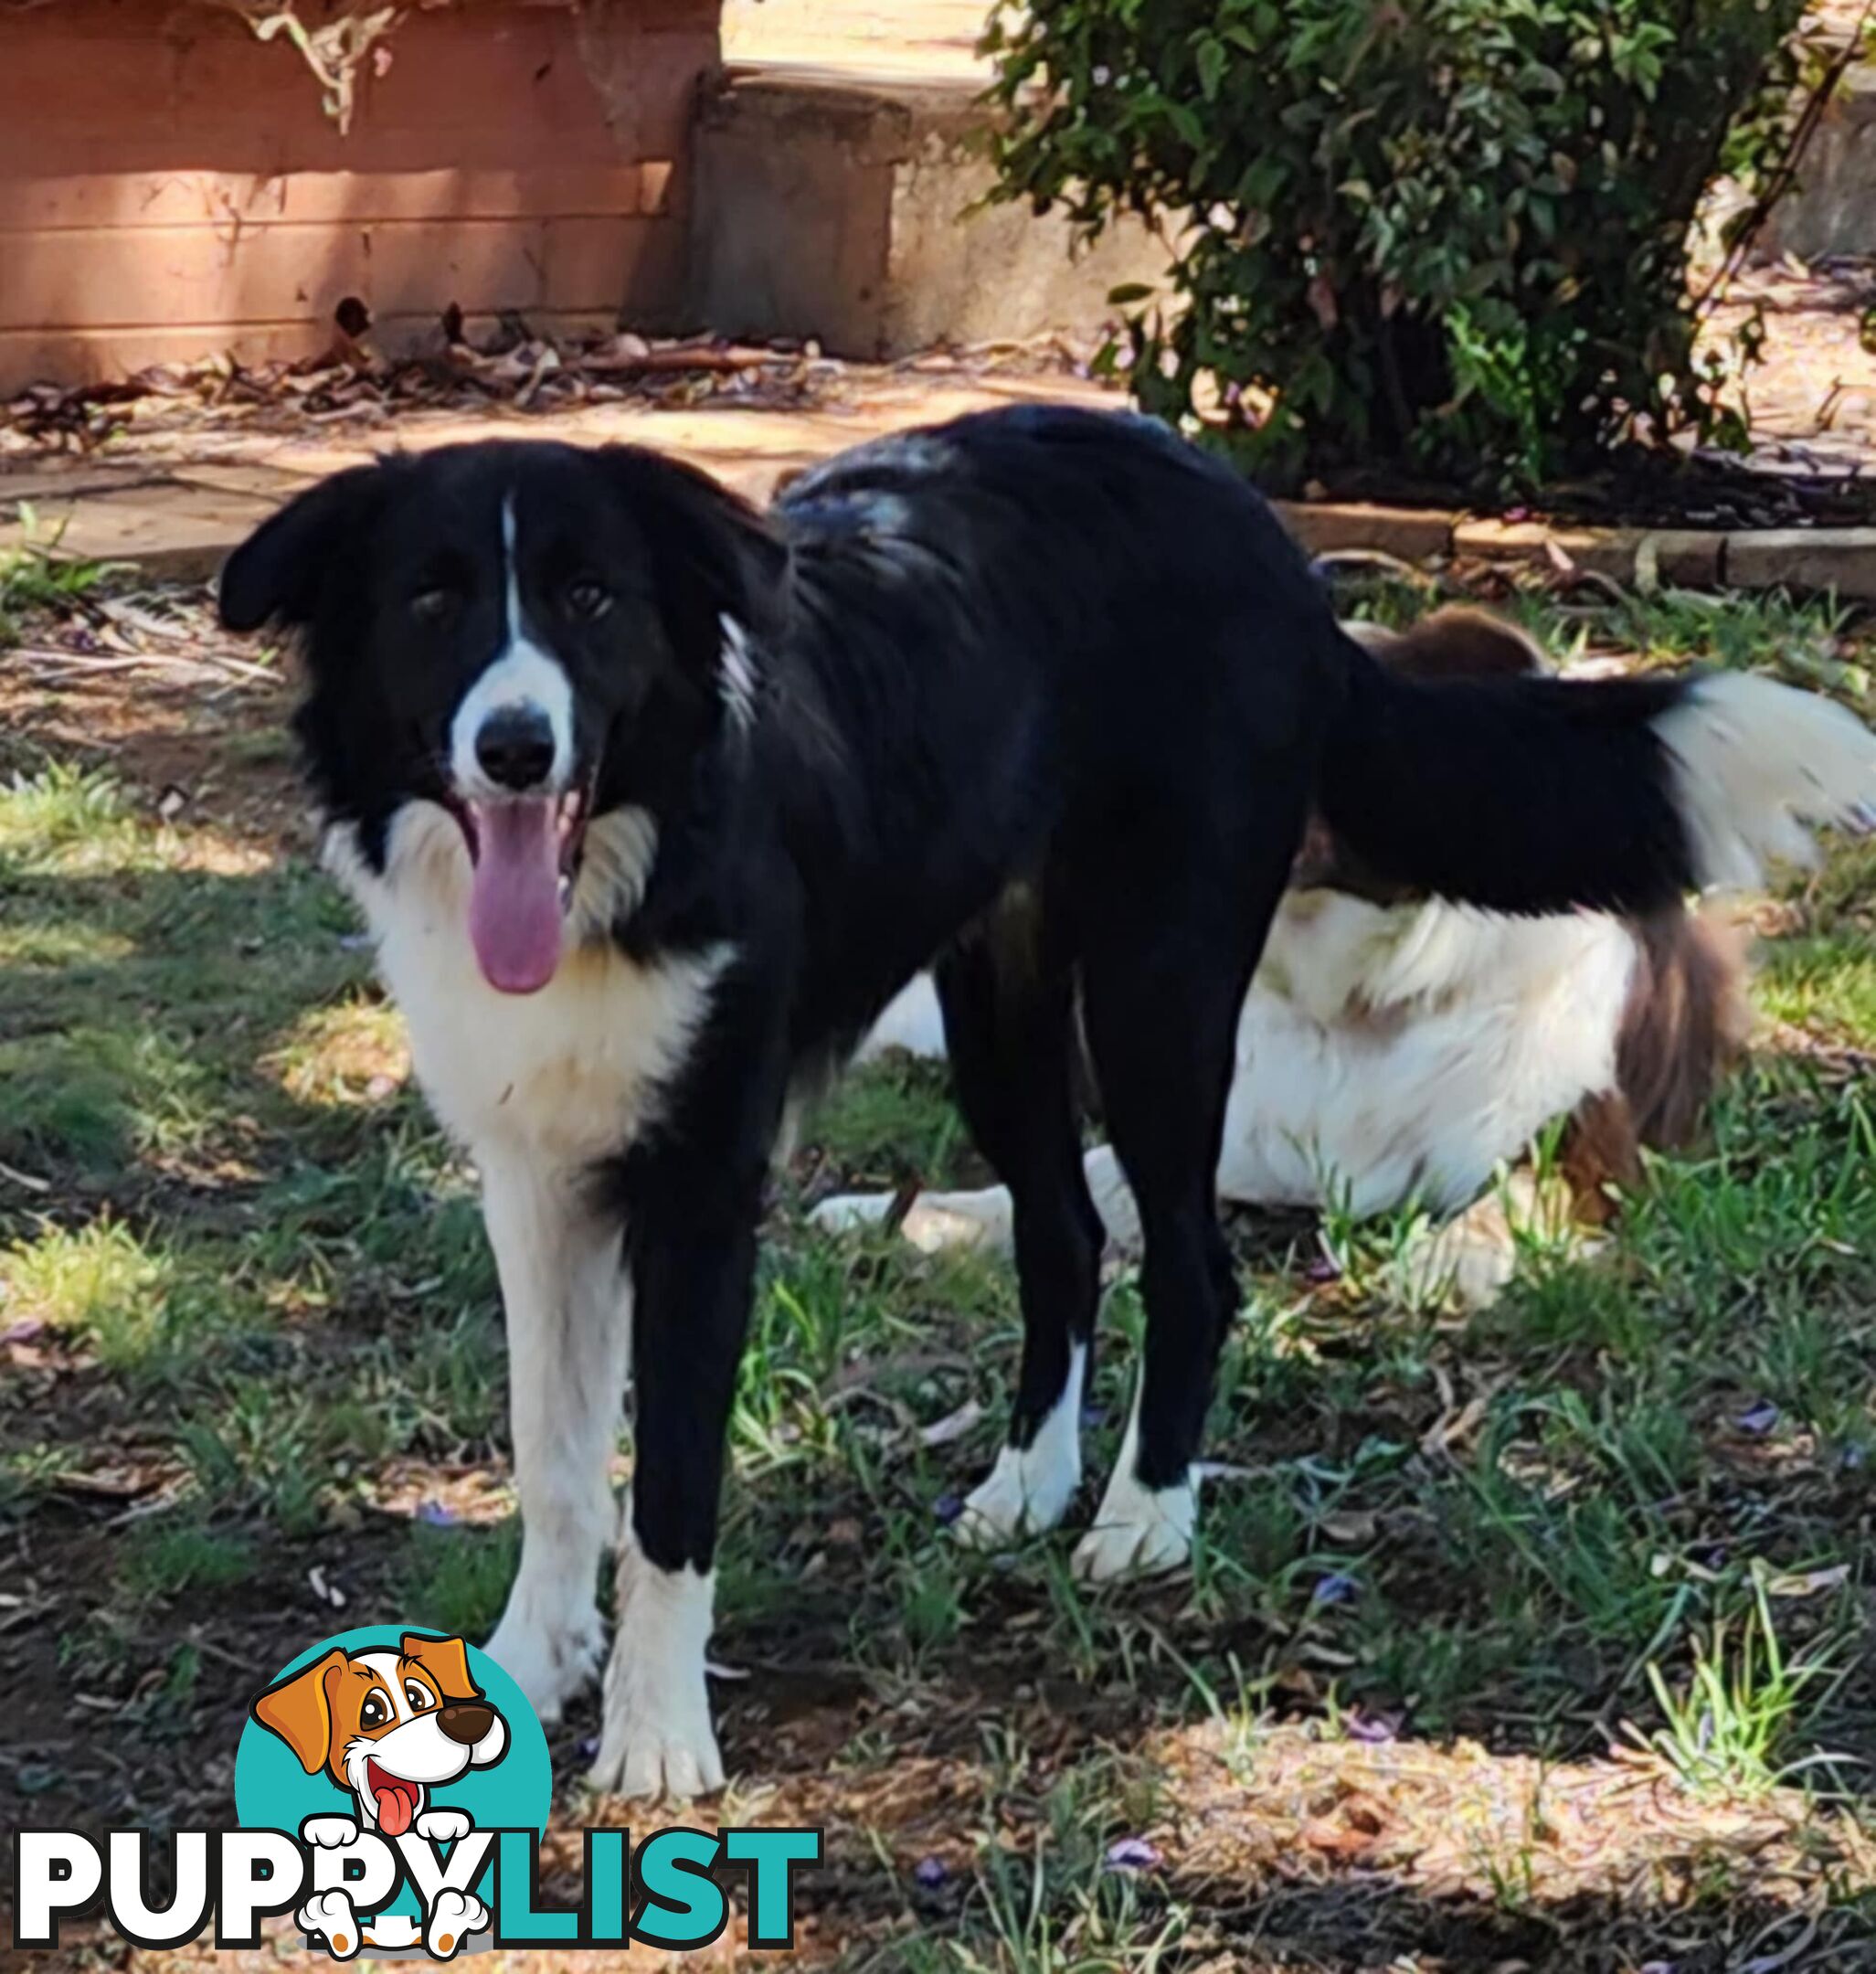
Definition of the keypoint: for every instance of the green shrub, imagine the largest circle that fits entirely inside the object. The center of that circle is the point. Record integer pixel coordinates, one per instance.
(1443, 234)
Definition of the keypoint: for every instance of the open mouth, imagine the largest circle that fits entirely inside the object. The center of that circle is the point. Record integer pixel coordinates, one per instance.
(394, 1800)
(526, 850)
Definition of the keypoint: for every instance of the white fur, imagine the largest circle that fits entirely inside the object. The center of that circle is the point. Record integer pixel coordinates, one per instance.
(1028, 1488)
(737, 679)
(537, 1087)
(1754, 761)
(569, 1303)
(1138, 1530)
(567, 1075)
(1383, 1054)
(522, 675)
(657, 1739)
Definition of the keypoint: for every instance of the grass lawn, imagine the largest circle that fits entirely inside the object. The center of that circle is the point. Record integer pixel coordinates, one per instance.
(1542, 1640)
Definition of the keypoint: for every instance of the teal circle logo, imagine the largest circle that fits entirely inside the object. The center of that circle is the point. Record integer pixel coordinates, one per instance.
(395, 1732)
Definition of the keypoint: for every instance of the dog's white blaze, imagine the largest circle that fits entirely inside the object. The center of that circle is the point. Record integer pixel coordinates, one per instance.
(1137, 1529)
(736, 678)
(1028, 1488)
(657, 1739)
(521, 673)
(1754, 762)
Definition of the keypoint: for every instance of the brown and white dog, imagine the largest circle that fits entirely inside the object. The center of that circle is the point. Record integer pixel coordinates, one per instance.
(1394, 1049)
(390, 1728)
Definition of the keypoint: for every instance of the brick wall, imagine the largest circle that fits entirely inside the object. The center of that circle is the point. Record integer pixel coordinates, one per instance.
(170, 186)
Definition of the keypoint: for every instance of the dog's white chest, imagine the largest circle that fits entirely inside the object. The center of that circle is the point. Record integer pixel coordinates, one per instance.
(570, 1074)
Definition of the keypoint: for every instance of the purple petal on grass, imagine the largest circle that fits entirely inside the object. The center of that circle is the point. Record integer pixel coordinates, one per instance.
(24, 1330)
(1759, 1418)
(1337, 1588)
(588, 1749)
(1132, 1853)
(947, 1507)
(1322, 1269)
(1373, 1728)
(931, 1873)
(437, 1515)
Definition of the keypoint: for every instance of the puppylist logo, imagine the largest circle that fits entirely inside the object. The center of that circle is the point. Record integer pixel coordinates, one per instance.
(391, 1791)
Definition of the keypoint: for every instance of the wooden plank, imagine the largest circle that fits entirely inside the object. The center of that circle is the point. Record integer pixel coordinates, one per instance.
(283, 273)
(228, 201)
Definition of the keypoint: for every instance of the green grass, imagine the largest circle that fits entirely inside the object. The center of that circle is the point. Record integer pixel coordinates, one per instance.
(260, 1339)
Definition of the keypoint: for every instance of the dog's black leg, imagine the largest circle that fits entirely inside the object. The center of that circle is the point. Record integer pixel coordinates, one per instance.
(1009, 1034)
(1164, 983)
(692, 1196)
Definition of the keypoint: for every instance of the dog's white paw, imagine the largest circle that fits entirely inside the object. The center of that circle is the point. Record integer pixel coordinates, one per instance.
(443, 1826)
(657, 1739)
(452, 1919)
(329, 1832)
(1138, 1531)
(1027, 1492)
(847, 1211)
(550, 1662)
(328, 1916)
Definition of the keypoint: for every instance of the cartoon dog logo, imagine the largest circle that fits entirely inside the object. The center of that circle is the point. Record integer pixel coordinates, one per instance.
(391, 1727)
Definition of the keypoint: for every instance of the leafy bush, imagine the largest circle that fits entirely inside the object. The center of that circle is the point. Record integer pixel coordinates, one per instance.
(1445, 234)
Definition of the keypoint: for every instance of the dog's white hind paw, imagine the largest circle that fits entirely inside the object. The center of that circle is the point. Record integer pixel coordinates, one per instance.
(328, 1916)
(443, 1826)
(847, 1211)
(550, 1663)
(329, 1832)
(1138, 1530)
(452, 1919)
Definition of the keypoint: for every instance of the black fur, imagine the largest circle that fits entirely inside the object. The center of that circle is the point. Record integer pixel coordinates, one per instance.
(1043, 694)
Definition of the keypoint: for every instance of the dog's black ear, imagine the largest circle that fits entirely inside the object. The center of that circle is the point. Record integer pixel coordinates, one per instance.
(276, 574)
(714, 555)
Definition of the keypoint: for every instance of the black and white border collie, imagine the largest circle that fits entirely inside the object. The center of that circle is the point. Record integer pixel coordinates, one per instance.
(654, 801)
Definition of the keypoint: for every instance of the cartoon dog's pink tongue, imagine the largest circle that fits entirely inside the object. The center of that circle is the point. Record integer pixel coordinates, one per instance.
(395, 1801)
(515, 905)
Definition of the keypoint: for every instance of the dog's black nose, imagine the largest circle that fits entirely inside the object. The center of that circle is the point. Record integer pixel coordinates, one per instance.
(467, 1721)
(515, 745)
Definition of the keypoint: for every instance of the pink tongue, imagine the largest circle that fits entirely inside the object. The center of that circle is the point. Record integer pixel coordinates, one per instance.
(515, 908)
(397, 1803)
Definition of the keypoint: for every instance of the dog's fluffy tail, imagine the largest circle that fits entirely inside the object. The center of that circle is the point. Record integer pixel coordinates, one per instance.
(1537, 795)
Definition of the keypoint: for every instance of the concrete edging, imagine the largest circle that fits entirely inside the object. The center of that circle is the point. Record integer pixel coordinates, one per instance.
(1842, 559)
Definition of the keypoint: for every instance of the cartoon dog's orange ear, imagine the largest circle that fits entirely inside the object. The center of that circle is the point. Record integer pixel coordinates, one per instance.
(299, 1711)
(446, 1661)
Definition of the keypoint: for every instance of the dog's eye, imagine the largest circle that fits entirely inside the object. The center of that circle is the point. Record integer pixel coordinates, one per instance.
(419, 1697)
(374, 1712)
(588, 598)
(434, 606)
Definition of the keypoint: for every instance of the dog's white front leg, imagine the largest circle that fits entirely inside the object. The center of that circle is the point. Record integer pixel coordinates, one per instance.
(570, 1332)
